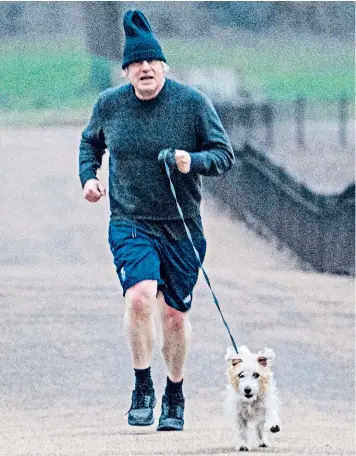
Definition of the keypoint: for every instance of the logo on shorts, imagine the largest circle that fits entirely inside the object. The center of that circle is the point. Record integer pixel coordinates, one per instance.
(123, 274)
(187, 299)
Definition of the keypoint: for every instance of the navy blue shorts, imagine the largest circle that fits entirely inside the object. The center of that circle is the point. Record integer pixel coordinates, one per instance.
(140, 255)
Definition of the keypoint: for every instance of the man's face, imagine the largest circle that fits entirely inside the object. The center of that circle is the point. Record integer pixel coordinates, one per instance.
(147, 77)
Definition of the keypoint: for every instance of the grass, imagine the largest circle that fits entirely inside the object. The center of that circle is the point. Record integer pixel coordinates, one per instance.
(48, 74)
(318, 69)
(54, 73)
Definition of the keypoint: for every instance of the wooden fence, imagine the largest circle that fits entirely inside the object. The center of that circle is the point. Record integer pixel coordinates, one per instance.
(320, 229)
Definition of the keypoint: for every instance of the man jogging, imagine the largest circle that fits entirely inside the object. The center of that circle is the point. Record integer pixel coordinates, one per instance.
(153, 256)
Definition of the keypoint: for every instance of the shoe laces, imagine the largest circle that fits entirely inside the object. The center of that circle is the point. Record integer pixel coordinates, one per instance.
(174, 405)
(140, 399)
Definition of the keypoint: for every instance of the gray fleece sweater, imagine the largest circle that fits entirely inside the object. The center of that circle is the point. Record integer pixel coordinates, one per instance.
(135, 131)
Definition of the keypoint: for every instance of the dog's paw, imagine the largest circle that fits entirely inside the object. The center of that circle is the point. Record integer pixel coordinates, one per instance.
(263, 445)
(243, 448)
(275, 428)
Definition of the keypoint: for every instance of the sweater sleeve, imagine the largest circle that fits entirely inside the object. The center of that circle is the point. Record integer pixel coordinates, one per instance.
(92, 147)
(215, 155)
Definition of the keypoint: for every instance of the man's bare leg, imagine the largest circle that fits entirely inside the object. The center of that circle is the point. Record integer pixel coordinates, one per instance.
(176, 336)
(139, 321)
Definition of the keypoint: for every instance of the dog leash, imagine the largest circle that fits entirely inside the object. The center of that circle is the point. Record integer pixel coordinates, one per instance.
(165, 153)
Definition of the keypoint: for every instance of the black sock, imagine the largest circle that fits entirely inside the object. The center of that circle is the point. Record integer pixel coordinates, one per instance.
(143, 379)
(174, 388)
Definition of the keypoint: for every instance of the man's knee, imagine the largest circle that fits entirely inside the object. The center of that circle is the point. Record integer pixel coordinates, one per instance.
(174, 320)
(140, 298)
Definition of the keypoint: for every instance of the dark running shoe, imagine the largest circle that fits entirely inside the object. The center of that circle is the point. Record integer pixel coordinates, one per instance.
(142, 405)
(172, 414)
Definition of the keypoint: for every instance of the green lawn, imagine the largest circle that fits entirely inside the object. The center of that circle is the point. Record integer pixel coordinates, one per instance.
(320, 70)
(50, 74)
(55, 72)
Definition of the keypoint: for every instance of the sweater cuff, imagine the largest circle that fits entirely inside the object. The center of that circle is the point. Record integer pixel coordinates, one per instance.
(197, 163)
(84, 177)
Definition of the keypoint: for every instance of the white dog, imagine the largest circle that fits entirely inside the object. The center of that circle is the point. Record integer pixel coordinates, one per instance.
(252, 404)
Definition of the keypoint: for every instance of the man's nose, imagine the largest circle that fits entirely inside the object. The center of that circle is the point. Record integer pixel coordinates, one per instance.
(145, 65)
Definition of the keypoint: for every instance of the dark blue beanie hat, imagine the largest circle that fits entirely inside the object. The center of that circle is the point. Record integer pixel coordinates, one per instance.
(140, 42)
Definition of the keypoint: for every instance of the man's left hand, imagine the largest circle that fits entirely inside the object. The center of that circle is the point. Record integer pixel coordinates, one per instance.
(183, 161)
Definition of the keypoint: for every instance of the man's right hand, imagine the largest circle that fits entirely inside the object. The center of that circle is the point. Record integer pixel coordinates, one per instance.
(93, 190)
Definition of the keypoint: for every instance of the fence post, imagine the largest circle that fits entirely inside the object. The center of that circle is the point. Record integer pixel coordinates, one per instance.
(268, 118)
(343, 114)
(246, 116)
(300, 120)
(323, 229)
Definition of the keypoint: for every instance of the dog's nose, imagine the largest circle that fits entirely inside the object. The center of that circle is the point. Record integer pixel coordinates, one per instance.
(247, 390)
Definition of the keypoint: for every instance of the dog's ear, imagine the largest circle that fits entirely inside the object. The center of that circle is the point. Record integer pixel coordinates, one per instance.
(262, 360)
(230, 353)
(236, 361)
(232, 356)
(266, 357)
(243, 349)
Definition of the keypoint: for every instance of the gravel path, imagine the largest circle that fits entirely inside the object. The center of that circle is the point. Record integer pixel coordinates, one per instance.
(66, 379)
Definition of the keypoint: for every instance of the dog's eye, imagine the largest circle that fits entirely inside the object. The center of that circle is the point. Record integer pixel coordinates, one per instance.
(241, 375)
(255, 375)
